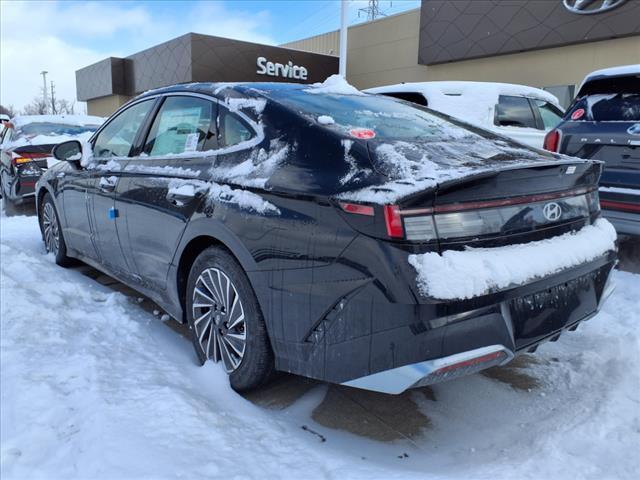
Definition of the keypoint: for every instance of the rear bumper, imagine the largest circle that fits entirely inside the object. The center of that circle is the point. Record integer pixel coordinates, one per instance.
(21, 188)
(523, 332)
(370, 343)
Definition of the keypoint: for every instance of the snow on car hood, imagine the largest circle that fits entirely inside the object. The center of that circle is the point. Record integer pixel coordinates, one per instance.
(478, 271)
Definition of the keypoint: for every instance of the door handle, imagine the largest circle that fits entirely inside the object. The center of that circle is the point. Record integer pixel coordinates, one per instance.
(108, 184)
(182, 195)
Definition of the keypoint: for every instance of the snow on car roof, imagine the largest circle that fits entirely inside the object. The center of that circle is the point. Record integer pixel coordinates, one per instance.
(612, 72)
(80, 120)
(470, 101)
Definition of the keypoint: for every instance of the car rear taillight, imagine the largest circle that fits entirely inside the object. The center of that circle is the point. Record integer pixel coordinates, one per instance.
(21, 158)
(552, 140)
(393, 221)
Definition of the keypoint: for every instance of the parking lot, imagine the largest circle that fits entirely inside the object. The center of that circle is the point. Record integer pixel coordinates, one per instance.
(97, 372)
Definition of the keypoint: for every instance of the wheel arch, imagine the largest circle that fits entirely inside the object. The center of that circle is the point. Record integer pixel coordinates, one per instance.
(195, 241)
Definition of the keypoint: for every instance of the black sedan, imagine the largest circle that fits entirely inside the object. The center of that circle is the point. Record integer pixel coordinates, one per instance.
(25, 149)
(320, 231)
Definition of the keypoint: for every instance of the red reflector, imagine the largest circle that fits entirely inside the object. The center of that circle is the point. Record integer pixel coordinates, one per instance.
(359, 209)
(363, 133)
(474, 361)
(552, 141)
(611, 204)
(393, 220)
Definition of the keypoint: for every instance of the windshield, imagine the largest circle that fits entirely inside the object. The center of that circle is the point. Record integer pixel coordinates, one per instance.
(385, 117)
(34, 129)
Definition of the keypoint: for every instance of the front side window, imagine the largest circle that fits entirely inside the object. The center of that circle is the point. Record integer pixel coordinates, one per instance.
(183, 124)
(549, 113)
(233, 129)
(117, 138)
(514, 112)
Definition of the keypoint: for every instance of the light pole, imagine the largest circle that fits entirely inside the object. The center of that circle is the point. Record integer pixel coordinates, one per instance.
(44, 89)
(343, 39)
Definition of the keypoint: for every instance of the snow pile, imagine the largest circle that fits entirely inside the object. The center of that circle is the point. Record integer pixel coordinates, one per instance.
(242, 198)
(255, 104)
(326, 120)
(215, 192)
(256, 170)
(472, 102)
(478, 271)
(334, 85)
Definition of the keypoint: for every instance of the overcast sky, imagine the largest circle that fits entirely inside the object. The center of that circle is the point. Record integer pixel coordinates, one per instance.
(63, 36)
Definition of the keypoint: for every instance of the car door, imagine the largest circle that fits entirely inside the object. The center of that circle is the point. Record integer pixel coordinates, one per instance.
(514, 117)
(112, 147)
(165, 182)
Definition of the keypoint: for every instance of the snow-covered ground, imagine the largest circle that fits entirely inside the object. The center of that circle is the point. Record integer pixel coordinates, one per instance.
(93, 386)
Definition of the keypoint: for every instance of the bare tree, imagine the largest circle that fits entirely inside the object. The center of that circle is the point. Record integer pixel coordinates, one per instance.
(36, 107)
(64, 106)
(8, 110)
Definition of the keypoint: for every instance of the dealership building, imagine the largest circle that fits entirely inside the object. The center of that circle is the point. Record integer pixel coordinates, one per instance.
(550, 44)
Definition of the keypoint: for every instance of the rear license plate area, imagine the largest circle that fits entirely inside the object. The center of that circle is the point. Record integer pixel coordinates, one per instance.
(540, 314)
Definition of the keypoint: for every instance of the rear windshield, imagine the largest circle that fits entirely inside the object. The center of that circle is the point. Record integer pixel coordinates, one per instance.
(607, 100)
(386, 117)
(34, 129)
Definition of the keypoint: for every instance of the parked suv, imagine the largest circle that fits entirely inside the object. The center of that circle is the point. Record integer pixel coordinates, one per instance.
(603, 123)
(325, 232)
(517, 111)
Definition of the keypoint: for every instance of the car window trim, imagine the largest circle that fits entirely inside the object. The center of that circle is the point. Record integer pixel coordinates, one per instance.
(116, 114)
(257, 129)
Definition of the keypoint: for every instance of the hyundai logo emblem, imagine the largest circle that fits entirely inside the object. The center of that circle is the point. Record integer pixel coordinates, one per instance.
(590, 7)
(634, 129)
(552, 211)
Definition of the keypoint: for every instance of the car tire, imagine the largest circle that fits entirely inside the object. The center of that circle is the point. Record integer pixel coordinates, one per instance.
(52, 232)
(226, 321)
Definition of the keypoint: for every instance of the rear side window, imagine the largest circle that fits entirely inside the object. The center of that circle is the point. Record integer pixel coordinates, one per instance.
(233, 129)
(183, 124)
(117, 138)
(549, 113)
(413, 97)
(514, 112)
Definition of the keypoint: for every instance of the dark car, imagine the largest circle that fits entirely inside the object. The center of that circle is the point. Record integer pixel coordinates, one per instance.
(293, 228)
(25, 149)
(603, 123)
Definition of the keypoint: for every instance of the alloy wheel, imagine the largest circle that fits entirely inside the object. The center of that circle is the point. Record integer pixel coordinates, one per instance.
(218, 318)
(51, 229)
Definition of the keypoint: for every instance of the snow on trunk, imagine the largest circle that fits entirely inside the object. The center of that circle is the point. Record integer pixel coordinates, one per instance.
(477, 271)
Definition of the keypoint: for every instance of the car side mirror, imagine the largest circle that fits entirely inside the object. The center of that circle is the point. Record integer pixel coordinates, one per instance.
(69, 151)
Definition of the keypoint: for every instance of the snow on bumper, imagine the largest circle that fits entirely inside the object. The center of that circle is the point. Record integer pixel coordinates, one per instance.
(478, 271)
